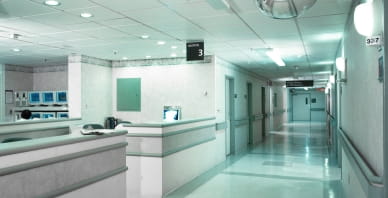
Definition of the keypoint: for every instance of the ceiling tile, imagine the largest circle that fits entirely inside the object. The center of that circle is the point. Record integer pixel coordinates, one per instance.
(22, 8)
(99, 13)
(125, 5)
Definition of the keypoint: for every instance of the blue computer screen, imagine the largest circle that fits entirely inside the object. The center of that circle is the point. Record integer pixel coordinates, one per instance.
(48, 97)
(48, 115)
(35, 115)
(61, 97)
(62, 115)
(34, 97)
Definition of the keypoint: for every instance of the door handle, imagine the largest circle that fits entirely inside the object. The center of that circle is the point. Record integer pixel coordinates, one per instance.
(307, 102)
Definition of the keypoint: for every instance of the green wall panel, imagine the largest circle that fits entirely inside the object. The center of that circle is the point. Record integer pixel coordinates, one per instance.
(128, 94)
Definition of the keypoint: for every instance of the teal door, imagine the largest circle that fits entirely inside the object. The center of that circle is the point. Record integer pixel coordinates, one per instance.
(301, 107)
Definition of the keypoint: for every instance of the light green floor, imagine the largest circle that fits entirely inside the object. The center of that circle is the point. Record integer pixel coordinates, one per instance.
(292, 163)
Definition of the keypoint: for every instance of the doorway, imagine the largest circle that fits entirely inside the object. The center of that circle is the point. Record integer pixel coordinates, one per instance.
(249, 111)
(301, 107)
(263, 112)
(229, 116)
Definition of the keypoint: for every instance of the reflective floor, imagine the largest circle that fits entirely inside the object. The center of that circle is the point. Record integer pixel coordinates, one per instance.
(293, 162)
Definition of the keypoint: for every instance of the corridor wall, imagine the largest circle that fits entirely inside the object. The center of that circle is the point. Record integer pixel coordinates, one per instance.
(361, 102)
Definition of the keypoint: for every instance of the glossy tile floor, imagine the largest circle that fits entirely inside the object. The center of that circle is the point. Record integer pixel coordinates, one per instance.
(292, 163)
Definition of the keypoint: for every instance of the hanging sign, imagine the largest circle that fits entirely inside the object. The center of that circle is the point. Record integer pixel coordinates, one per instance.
(300, 83)
(195, 51)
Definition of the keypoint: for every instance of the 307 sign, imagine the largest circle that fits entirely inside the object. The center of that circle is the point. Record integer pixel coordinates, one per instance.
(373, 41)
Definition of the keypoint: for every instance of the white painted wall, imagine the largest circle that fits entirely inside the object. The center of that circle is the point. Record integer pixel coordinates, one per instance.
(361, 102)
(350, 184)
(281, 94)
(96, 93)
(19, 81)
(47, 81)
(224, 69)
(176, 85)
(362, 95)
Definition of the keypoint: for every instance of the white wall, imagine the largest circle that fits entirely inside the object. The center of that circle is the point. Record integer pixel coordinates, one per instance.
(361, 101)
(362, 96)
(19, 81)
(96, 93)
(90, 89)
(281, 94)
(47, 81)
(190, 86)
(224, 69)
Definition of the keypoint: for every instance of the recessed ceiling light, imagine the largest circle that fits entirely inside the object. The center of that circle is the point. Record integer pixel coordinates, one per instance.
(16, 50)
(173, 55)
(174, 47)
(145, 36)
(148, 57)
(161, 42)
(125, 58)
(86, 15)
(52, 3)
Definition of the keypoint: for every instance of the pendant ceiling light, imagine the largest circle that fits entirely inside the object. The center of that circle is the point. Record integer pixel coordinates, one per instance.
(284, 9)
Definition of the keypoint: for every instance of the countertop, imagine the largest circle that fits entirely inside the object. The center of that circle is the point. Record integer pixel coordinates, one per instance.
(41, 143)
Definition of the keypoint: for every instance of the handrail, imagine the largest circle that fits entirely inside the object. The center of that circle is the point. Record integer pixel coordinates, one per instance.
(368, 173)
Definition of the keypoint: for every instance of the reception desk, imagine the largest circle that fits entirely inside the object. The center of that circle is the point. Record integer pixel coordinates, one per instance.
(71, 165)
(163, 156)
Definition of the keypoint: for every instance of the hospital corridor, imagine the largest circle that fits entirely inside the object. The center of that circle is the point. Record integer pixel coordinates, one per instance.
(193, 99)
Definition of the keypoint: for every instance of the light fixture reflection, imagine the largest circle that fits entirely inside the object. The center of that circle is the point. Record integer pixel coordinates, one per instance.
(274, 55)
(332, 79)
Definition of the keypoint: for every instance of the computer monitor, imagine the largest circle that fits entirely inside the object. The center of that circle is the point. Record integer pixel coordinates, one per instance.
(34, 98)
(48, 97)
(35, 115)
(48, 115)
(61, 97)
(171, 113)
(61, 115)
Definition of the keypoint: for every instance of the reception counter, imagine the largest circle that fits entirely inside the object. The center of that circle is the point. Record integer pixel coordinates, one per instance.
(71, 165)
(163, 156)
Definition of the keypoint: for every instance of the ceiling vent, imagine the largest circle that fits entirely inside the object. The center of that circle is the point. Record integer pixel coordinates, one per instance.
(284, 9)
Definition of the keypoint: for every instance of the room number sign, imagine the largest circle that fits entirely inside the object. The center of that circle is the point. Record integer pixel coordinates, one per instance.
(373, 40)
(195, 51)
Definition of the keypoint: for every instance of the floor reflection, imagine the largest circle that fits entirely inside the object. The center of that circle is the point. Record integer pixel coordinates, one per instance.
(292, 162)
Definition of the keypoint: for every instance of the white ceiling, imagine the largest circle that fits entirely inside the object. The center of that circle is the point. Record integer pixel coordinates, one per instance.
(307, 44)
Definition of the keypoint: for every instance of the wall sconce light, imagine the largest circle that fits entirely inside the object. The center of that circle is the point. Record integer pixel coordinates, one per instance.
(332, 79)
(340, 64)
(363, 18)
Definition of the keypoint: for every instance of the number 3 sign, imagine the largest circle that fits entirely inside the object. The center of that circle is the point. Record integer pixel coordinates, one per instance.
(195, 51)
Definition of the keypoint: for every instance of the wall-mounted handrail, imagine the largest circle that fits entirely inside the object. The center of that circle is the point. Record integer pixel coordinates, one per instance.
(372, 178)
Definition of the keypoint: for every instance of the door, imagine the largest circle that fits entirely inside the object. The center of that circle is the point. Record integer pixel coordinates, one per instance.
(301, 107)
(227, 117)
(249, 108)
(263, 111)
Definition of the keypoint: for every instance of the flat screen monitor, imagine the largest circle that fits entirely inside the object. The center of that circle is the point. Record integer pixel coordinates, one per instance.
(36, 115)
(61, 97)
(48, 115)
(48, 97)
(34, 97)
(62, 115)
(171, 113)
